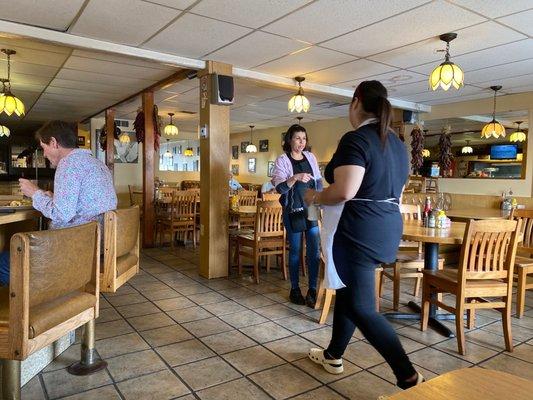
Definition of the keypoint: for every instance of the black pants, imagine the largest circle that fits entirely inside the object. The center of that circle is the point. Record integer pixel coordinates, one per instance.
(355, 306)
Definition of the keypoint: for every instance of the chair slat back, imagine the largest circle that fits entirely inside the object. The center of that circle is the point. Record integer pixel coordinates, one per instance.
(247, 198)
(526, 228)
(183, 204)
(489, 249)
(166, 193)
(271, 196)
(269, 219)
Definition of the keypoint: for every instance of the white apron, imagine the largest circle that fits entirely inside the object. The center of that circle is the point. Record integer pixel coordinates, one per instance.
(330, 220)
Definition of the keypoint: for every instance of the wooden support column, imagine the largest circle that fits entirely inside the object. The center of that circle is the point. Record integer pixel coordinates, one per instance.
(110, 139)
(214, 165)
(148, 170)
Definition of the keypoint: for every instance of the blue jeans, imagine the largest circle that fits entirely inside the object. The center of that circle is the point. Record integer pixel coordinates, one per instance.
(4, 268)
(355, 306)
(312, 241)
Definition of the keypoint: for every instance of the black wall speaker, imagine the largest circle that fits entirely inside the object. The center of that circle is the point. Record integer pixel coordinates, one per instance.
(222, 92)
(409, 117)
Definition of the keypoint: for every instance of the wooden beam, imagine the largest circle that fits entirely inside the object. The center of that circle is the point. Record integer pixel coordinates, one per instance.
(169, 80)
(214, 189)
(148, 170)
(110, 139)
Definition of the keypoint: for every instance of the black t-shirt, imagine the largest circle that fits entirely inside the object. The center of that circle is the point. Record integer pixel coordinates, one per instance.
(374, 228)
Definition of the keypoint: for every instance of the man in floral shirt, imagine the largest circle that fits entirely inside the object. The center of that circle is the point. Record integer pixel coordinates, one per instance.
(83, 186)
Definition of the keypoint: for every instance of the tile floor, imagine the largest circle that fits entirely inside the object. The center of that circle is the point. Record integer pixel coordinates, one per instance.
(170, 334)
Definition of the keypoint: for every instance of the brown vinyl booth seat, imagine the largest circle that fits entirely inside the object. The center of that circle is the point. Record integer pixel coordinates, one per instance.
(121, 248)
(53, 290)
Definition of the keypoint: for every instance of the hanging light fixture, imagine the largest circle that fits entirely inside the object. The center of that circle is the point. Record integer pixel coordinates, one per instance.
(467, 149)
(447, 74)
(4, 131)
(493, 128)
(171, 129)
(9, 103)
(189, 152)
(518, 135)
(124, 138)
(299, 102)
(251, 148)
(167, 153)
(425, 153)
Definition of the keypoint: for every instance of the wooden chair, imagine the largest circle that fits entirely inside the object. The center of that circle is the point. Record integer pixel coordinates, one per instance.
(162, 206)
(327, 294)
(415, 184)
(247, 198)
(485, 270)
(409, 260)
(121, 251)
(135, 195)
(524, 258)
(431, 185)
(182, 218)
(268, 237)
(53, 289)
(271, 196)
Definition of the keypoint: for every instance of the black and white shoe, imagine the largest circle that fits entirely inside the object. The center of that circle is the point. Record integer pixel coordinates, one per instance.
(331, 366)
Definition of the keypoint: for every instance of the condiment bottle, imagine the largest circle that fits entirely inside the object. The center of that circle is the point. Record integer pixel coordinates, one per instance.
(431, 220)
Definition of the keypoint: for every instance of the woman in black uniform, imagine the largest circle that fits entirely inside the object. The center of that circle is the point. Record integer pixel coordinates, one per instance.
(366, 176)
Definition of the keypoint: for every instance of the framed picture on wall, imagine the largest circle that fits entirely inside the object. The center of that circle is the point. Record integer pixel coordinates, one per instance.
(235, 152)
(243, 146)
(81, 141)
(235, 169)
(270, 169)
(263, 145)
(251, 165)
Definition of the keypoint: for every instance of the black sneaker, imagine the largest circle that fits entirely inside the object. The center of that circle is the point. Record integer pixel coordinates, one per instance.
(296, 297)
(310, 298)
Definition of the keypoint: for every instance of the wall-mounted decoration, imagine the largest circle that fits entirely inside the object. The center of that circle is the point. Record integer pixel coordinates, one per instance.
(243, 146)
(235, 169)
(126, 152)
(263, 145)
(322, 168)
(235, 152)
(251, 165)
(270, 169)
(81, 141)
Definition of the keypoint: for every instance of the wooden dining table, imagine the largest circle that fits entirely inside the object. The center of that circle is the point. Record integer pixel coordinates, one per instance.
(465, 214)
(246, 211)
(432, 238)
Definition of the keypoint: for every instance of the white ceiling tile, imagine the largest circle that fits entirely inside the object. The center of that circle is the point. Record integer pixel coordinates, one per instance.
(252, 13)
(182, 86)
(493, 74)
(495, 8)
(419, 24)
(113, 68)
(33, 69)
(410, 88)
(85, 76)
(21, 80)
(474, 38)
(389, 79)
(305, 61)
(178, 4)
(17, 43)
(54, 14)
(122, 21)
(346, 72)
(511, 83)
(322, 20)
(457, 99)
(183, 37)
(84, 93)
(521, 89)
(521, 22)
(244, 52)
(32, 56)
(97, 55)
(441, 94)
(504, 54)
(87, 86)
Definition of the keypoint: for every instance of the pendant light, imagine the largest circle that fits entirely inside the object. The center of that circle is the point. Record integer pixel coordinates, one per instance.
(467, 149)
(171, 129)
(188, 152)
(299, 102)
(251, 148)
(493, 128)
(4, 131)
(124, 138)
(518, 135)
(167, 153)
(447, 74)
(425, 153)
(9, 103)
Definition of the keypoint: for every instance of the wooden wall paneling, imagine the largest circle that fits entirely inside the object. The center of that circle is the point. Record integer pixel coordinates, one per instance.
(110, 139)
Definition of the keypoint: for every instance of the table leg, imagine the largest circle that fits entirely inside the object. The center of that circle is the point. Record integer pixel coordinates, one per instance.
(431, 262)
